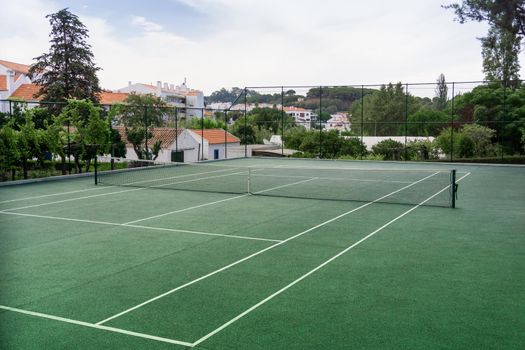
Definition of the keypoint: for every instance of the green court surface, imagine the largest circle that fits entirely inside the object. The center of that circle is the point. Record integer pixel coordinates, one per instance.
(319, 255)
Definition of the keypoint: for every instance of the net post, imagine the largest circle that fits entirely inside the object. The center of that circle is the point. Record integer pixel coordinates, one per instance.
(454, 188)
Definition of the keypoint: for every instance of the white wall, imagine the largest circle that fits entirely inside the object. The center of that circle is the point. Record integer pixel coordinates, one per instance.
(231, 147)
(370, 141)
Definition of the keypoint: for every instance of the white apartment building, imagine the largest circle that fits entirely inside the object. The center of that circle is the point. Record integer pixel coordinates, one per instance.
(302, 116)
(338, 121)
(177, 96)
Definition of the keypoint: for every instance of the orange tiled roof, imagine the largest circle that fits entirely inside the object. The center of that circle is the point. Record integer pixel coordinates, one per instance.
(109, 98)
(166, 136)
(216, 136)
(3, 82)
(27, 92)
(17, 67)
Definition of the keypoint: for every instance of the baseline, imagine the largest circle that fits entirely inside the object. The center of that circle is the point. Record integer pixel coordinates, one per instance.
(92, 325)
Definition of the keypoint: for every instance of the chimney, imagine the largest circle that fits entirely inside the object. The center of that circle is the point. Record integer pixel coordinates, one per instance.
(159, 84)
(166, 86)
(130, 83)
(10, 80)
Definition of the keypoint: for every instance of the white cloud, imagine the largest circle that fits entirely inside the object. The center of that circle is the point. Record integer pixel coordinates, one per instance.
(145, 24)
(253, 42)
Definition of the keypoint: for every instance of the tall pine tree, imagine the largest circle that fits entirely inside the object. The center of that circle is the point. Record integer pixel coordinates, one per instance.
(500, 50)
(440, 101)
(67, 70)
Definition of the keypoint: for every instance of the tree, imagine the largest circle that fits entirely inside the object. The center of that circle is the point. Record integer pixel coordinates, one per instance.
(384, 111)
(389, 149)
(10, 154)
(481, 137)
(29, 142)
(245, 133)
(522, 130)
(270, 119)
(56, 139)
(427, 122)
(500, 50)
(206, 123)
(141, 113)
(440, 101)
(328, 145)
(496, 107)
(505, 14)
(67, 70)
(92, 134)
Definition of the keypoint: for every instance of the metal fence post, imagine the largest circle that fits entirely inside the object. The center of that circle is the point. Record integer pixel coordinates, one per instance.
(406, 120)
(225, 134)
(282, 121)
(362, 119)
(146, 133)
(176, 131)
(502, 126)
(320, 124)
(202, 135)
(245, 123)
(452, 125)
(68, 145)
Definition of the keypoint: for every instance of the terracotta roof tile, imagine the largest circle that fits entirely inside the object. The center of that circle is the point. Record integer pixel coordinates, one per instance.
(166, 136)
(3, 82)
(17, 67)
(216, 136)
(27, 92)
(109, 98)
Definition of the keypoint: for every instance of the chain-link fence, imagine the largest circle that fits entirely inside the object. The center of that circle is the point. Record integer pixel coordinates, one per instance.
(466, 121)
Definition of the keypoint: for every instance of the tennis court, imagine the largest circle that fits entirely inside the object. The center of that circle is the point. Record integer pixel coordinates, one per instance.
(261, 253)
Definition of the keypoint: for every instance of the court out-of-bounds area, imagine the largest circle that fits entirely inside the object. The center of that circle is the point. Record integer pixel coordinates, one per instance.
(259, 253)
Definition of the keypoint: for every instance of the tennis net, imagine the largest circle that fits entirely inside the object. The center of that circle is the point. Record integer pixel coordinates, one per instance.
(401, 186)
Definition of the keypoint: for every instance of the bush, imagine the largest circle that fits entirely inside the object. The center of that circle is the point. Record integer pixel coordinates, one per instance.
(389, 149)
(466, 147)
(422, 150)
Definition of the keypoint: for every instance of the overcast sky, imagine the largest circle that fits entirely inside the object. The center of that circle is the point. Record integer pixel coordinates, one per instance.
(225, 43)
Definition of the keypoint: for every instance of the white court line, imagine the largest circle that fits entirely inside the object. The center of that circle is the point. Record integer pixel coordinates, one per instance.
(185, 209)
(247, 311)
(53, 194)
(212, 203)
(258, 253)
(143, 227)
(92, 325)
(123, 191)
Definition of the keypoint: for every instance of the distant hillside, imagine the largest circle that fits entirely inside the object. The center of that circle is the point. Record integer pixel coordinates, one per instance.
(333, 99)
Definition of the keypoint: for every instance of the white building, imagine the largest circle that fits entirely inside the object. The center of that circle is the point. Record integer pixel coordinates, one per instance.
(188, 145)
(338, 121)
(15, 84)
(302, 116)
(12, 77)
(177, 96)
